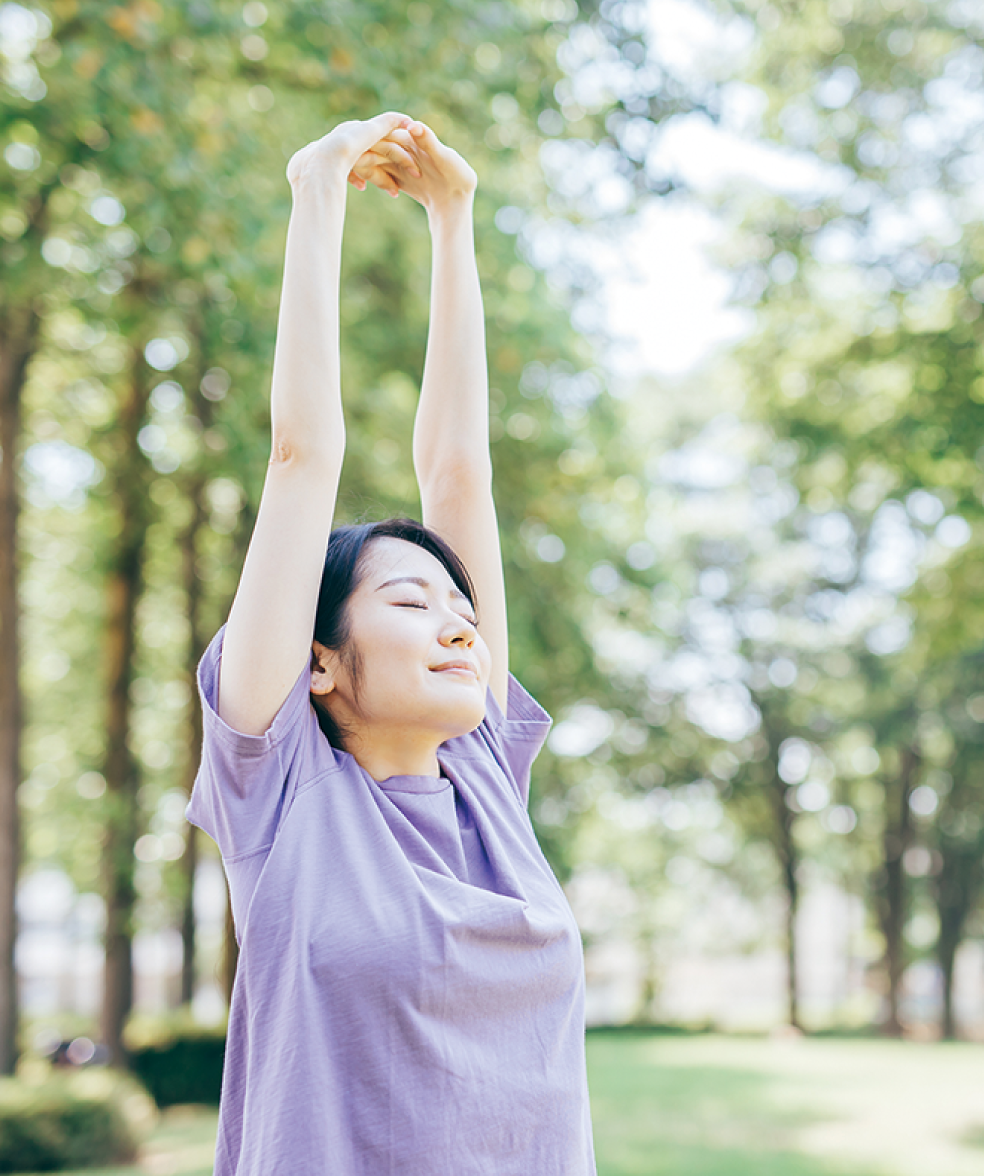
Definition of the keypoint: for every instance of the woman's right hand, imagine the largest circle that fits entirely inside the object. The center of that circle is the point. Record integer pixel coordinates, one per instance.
(331, 158)
(434, 174)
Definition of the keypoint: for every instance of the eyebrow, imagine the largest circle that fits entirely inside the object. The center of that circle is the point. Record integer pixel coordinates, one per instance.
(422, 583)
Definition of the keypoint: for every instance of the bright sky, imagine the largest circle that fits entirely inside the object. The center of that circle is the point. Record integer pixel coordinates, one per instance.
(664, 299)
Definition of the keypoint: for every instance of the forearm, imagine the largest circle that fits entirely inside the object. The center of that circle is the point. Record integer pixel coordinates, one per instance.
(451, 431)
(305, 402)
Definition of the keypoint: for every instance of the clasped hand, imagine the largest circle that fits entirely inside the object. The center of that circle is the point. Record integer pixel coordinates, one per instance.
(393, 152)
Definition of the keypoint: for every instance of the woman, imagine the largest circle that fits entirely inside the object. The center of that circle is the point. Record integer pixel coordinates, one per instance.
(409, 998)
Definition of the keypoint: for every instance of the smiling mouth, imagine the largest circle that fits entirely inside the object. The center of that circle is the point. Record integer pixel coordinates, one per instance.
(461, 668)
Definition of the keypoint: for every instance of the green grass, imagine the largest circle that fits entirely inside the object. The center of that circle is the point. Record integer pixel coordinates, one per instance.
(729, 1106)
(720, 1106)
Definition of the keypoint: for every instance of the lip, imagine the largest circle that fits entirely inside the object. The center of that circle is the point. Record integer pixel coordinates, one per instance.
(460, 667)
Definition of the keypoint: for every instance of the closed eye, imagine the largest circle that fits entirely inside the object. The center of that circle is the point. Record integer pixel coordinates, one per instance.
(473, 621)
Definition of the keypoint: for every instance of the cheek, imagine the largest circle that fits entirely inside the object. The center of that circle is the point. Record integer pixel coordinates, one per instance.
(484, 657)
(390, 637)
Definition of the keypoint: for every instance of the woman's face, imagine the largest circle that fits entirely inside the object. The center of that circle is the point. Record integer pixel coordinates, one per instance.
(421, 666)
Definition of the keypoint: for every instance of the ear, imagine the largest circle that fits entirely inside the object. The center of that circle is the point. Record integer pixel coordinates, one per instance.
(324, 667)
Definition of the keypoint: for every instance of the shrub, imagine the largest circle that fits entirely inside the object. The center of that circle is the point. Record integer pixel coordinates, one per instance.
(51, 1121)
(185, 1067)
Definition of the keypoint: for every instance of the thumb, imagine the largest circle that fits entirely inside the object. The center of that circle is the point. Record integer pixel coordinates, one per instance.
(380, 126)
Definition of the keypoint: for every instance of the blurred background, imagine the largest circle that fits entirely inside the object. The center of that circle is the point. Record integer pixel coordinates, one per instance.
(731, 257)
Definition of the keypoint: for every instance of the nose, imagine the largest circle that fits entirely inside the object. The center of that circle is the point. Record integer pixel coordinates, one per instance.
(458, 631)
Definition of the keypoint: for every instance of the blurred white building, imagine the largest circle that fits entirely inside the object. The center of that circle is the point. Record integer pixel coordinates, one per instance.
(60, 955)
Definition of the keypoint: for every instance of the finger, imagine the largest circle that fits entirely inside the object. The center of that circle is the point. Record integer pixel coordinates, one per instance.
(385, 124)
(402, 136)
(394, 154)
(424, 135)
(385, 181)
(363, 135)
(390, 156)
(369, 160)
(356, 181)
(426, 142)
(367, 163)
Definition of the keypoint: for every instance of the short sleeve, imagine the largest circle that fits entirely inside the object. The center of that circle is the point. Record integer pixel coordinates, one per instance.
(246, 782)
(514, 738)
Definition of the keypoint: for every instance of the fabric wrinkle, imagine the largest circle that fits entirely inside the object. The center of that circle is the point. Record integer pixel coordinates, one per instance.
(410, 992)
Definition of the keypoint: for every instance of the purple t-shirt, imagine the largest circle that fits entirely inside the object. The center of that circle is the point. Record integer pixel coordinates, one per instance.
(410, 993)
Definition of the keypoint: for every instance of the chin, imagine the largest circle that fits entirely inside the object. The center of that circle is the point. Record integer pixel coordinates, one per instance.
(462, 719)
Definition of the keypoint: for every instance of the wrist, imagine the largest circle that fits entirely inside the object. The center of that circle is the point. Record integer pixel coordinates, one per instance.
(452, 210)
(318, 192)
(317, 178)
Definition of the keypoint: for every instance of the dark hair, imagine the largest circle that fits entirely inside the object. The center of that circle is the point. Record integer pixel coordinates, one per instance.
(343, 571)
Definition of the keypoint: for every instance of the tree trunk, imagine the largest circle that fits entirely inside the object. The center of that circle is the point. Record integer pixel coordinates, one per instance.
(792, 953)
(957, 889)
(123, 588)
(198, 639)
(787, 853)
(647, 944)
(196, 647)
(788, 856)
(230, 955)
(16, 348)
(946, 954)
(189, 865)
(892, 898)
(230, 948)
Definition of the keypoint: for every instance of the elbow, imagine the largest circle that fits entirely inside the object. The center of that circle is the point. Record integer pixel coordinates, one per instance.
(310, 456)
(282, 452)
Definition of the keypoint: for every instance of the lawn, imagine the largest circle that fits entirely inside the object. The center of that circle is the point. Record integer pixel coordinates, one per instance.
(727, 1106)
(731, 1106)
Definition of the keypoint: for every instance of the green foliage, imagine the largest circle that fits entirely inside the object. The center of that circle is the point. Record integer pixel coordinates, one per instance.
(70, 1121)
(867, 359)
(182, 1067)
(149, 182)
(142, 221)
(152, 205)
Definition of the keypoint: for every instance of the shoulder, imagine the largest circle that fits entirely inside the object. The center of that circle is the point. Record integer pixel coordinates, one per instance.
(296, 711)
(246, 783)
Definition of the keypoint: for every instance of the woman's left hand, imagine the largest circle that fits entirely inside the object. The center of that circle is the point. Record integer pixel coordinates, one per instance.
(414, 160)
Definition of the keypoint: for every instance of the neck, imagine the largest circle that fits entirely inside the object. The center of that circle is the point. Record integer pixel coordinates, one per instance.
(393, 752)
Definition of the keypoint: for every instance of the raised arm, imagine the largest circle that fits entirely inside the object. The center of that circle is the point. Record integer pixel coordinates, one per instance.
(268, 637)
(451, 432)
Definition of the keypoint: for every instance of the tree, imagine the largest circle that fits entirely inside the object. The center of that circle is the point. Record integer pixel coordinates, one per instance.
(162, 134)
(26, 216)
(124, 577)
(15, 352)
(865, 352)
